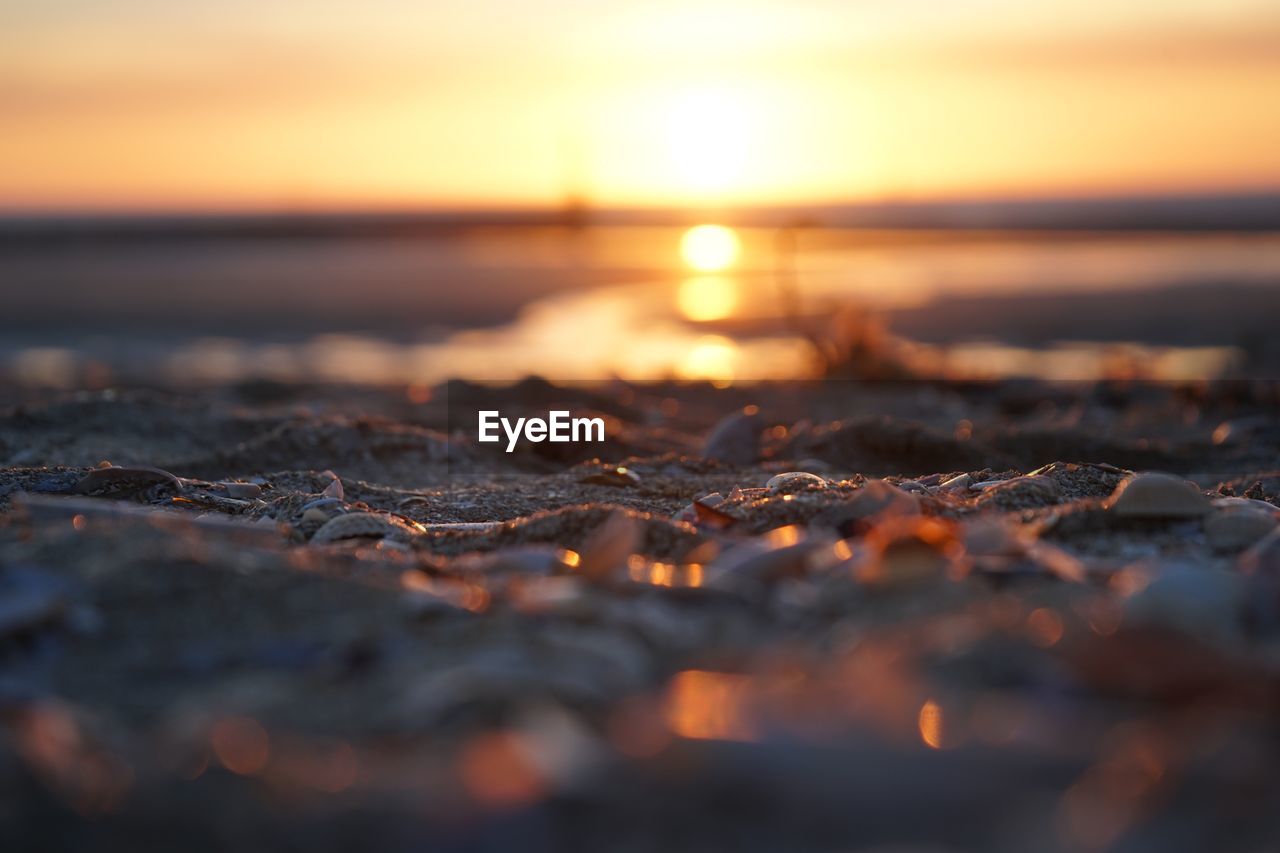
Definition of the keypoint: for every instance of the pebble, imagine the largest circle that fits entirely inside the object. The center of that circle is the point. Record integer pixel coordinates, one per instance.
(564, 596)
(956, 484)
(880, 497)
(620, 476)
(1264, 557)
(907, 551)
(1024, 557)
(610, 545)
(793, 481)
(1202, 602)
(1155, 495)
(355, 525)
(690, 513)
(1233, 528)
(993, 537)
(1057, 562)
(1247, 502)
(736, 439)
(904, 563)
(706, 515)
(756, 562)
(315, 515)
(243, 491)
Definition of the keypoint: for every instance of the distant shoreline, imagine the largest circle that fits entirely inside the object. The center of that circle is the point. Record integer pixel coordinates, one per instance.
(1191, 212)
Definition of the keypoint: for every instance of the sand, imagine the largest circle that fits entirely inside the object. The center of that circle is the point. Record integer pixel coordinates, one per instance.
(953, 639)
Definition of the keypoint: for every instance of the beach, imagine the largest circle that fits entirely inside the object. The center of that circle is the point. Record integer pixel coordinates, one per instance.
(684, 426)
(803, 614)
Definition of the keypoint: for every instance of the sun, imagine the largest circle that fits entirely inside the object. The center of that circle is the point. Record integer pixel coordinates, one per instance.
(710, 248)
(708, 130)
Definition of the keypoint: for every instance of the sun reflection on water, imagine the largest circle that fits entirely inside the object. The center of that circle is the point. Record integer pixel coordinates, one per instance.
(707, 297)
(712, 358)
(710, 248)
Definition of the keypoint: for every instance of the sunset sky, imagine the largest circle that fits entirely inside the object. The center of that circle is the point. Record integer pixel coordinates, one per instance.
(281, 104)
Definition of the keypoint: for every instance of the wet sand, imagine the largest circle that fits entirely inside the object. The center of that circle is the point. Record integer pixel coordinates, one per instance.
(320, 618)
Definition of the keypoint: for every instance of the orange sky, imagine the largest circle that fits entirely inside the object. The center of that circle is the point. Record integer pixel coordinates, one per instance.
(284, 104)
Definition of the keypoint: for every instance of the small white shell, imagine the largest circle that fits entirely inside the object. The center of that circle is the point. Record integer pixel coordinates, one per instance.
(958, 483)
(334, 489)
(794, 480)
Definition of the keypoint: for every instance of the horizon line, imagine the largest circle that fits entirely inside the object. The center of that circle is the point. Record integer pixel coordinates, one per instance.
(1201, 209)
